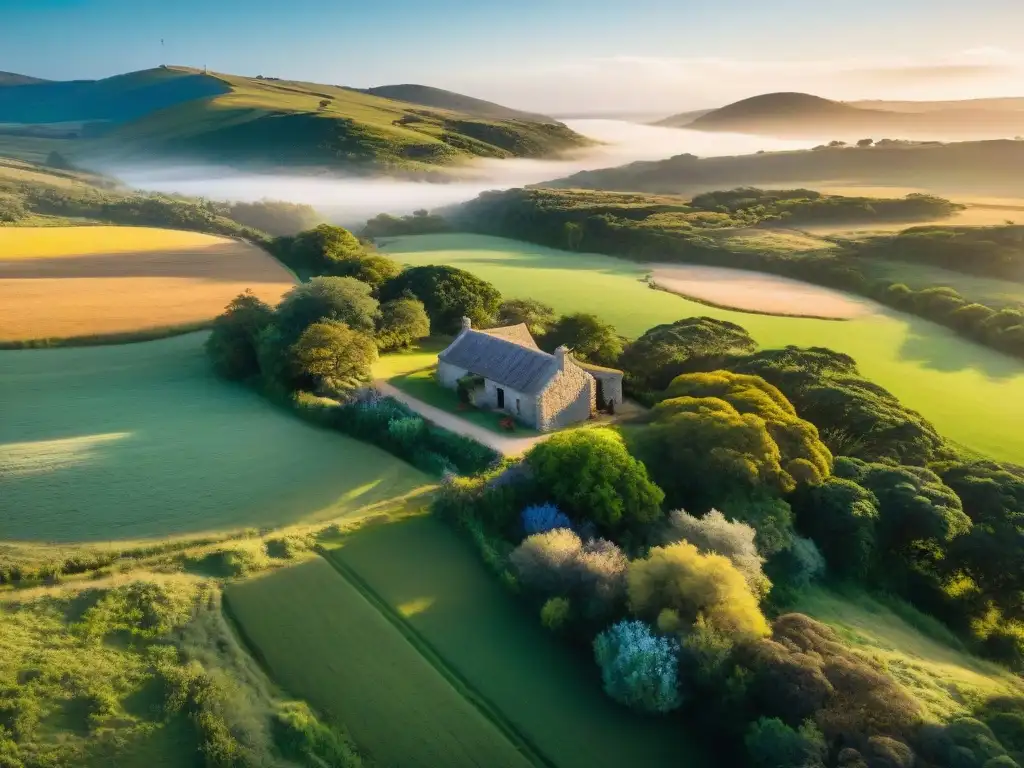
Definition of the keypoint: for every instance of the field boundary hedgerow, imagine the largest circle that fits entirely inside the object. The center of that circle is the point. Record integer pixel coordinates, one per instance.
(486, 708)
(107, 339)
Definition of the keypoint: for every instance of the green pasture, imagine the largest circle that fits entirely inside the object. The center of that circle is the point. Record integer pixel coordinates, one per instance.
(551, 694)
(971, 393)
(322, 640)
(142, 440)
(918, 651)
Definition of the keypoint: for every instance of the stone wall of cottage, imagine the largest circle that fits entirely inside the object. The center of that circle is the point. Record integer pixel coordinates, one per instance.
(517, 404)
(569, 398)
(448, 375)
(611, 385)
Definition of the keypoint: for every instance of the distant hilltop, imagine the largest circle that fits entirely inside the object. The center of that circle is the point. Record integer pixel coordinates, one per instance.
(792, 114)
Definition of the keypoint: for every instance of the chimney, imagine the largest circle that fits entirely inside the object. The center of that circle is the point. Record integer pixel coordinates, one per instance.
(467, 324)
(560, 356)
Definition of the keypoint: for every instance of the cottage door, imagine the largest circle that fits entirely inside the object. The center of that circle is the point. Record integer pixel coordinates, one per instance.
(501, 398)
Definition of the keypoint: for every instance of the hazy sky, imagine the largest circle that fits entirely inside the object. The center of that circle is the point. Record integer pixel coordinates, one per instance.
(551, 55)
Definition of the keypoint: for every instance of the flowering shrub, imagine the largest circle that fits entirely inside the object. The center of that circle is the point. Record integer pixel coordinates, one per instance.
(638, 668)
(540, 518)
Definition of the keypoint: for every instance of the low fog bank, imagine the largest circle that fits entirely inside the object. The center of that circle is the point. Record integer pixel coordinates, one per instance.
(352, 200)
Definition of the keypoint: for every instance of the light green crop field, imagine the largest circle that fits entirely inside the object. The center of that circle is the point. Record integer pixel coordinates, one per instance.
(550, 694)
(917, 651)
(324, 641)
(142, 440)
(971, 394)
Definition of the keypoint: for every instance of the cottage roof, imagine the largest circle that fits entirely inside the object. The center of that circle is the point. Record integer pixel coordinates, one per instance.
(493, 355)
(518, 334)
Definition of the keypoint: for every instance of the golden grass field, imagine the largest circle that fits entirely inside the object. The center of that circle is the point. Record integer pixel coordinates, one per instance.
(757, 292)
(62, 282)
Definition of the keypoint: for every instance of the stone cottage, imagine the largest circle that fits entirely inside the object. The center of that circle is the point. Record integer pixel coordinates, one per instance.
(503, 369)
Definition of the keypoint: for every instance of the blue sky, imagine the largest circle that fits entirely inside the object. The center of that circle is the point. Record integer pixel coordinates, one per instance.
(548, 54)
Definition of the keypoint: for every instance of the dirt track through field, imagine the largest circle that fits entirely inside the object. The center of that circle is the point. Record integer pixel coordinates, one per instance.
(757, 292)
(60, 283)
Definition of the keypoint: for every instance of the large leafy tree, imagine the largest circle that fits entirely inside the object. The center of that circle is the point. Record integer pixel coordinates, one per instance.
(233, 342)
(321, 248)
(590, 338)
(448, 293)
(694, 343)
(840, 516)
(538, 317)
(856, 417)
(590, 474)
(327, 298)
(680, 587)
(333, 357)
(720, 434)
(402, 322)
(993, 551)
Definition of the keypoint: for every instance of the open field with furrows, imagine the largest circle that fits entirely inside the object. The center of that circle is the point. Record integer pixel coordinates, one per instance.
(969, 392)
(758, 292)
(84, 281)
(324, 641)
(142, 440)
(434, 581)
(921, 653)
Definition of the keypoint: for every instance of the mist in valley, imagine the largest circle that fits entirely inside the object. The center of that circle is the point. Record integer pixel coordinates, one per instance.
(352, 200)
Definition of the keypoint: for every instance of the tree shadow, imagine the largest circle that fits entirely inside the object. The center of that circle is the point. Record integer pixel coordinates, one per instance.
(941, 349)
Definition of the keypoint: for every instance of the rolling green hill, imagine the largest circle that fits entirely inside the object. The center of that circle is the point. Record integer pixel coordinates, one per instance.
(186, 114)
(13, 78)
(426, 96)
(801, 114)
(982, 167)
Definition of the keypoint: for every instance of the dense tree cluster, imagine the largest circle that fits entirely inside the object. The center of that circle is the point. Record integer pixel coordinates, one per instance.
(421, 222)
(448, 294)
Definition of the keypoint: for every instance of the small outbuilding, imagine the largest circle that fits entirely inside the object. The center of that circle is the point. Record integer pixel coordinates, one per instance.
(503, 369)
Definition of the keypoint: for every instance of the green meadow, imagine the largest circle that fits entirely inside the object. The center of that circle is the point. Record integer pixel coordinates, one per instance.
(142, 440)
(322, 640)
(551, 694)
(969, 392)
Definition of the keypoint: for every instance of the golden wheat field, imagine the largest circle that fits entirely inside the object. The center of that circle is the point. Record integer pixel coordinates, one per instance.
(82, 281)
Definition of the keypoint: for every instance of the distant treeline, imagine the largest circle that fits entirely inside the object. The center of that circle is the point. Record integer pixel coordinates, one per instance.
(986, 166)
(663, 228)
(97, 199)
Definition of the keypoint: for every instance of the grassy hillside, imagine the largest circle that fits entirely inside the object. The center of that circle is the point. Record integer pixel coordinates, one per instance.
(426, 96)
(980, 167)
(193, 115)
(801, 114)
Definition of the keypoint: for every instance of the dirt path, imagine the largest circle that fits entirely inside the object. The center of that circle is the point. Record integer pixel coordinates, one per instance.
(504, 444)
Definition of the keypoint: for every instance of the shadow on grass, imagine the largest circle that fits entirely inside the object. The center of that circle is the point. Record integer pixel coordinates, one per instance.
(940, 349)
